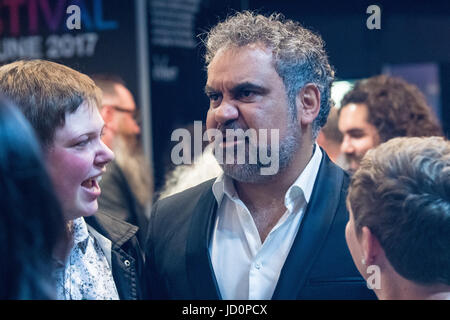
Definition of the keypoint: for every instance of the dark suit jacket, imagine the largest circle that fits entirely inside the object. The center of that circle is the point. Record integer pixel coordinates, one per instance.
(319, 265)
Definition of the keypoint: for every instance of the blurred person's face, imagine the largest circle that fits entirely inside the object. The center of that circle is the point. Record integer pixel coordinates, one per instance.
(123, 109)
(358, 134)
(76, 160)
(121, 135)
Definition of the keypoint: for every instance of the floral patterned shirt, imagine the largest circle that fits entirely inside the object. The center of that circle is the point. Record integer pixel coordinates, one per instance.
(86, 274)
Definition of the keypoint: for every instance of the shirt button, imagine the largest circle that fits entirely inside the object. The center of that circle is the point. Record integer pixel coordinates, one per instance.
(127, 263)
(257, 266)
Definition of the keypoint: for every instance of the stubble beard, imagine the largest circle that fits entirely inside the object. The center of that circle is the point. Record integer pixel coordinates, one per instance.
(251, 173)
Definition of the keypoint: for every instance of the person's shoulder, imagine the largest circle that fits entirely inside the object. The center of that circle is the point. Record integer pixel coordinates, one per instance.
(331, 169)
(116, 230)
(189, 195)
(337, 181)
(179, 206)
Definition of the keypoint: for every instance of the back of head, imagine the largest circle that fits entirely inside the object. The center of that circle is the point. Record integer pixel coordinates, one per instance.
(107, 83)
(31, 225)
(46, 91)
(395, 107)
(299, 54)
(402, 193)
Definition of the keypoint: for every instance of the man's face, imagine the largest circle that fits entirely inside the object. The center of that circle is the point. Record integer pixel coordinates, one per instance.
(246, 92)
(76, 159)
(358, 134)
(123, 107)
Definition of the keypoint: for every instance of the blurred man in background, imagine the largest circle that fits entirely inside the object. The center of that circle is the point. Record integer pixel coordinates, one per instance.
(127, 185)
(381, 108)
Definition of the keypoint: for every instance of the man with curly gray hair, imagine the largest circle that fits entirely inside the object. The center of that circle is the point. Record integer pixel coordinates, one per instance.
(298, 55)
(247, 235)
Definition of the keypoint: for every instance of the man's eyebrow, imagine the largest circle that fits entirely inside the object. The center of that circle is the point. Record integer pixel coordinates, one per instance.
(209, 89)
(355, 131)
(239, 87)
(248, 86)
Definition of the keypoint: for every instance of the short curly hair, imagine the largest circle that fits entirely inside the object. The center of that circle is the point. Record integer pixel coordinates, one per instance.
(299, 54)
(401, 192)
(395, 107)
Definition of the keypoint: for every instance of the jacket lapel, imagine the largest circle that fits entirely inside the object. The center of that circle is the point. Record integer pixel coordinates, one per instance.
(313, 230)
(199, 267)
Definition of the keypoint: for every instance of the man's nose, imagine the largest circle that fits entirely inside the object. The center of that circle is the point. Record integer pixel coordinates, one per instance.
(226, 111)
(136, 127)
(347, 146)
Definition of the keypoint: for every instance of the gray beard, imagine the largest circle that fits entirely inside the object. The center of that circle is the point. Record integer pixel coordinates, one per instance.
(131, 159)
(251, 173)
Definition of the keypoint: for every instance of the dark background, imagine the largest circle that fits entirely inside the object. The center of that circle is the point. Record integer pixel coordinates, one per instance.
(412, 32)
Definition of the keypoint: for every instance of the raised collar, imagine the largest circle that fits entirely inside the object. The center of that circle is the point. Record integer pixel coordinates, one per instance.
(80, 230)
(116, 230)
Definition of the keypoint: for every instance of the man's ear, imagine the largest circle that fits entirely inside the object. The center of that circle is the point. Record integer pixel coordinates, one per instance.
(107, 114)
(308, 103)
(371, 247)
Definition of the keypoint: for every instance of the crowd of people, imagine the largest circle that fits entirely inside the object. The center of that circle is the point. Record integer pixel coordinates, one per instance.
(359, 207)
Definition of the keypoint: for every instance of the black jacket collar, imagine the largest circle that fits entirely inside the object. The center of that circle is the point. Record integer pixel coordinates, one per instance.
(116, 230)
(200, 269)
(313, 230)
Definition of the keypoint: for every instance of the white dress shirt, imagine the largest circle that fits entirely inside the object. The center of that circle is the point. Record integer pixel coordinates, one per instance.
(244, 267)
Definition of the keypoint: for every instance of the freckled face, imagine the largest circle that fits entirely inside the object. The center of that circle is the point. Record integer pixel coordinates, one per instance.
(76, 159)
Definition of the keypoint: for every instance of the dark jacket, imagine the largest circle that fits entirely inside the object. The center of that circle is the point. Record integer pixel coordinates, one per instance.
(126, 257)
(318, 266)
(118, 200)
